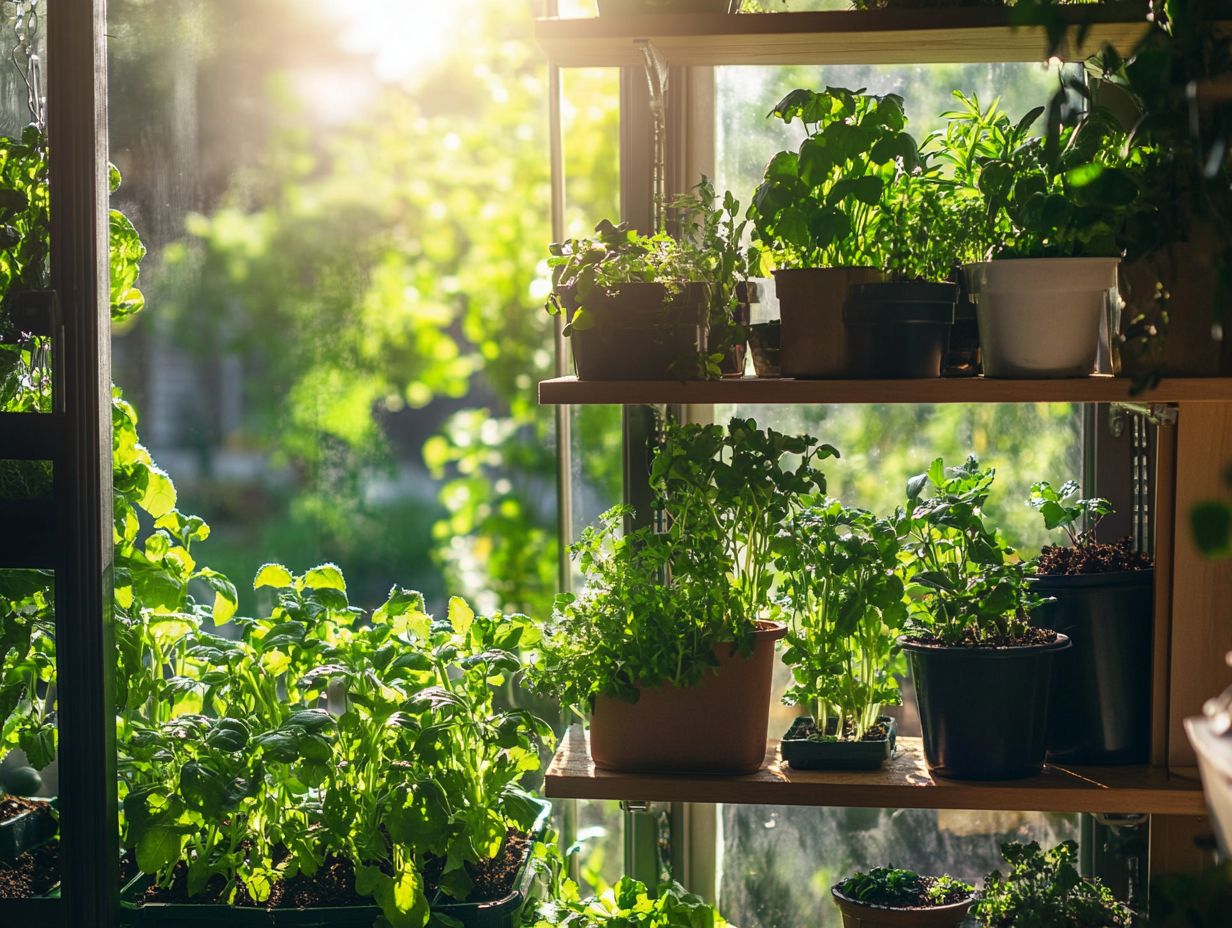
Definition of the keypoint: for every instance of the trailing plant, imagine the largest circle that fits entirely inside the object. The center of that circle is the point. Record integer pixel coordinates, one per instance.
(899, 889)
(243, 775)
(823, 204)
(966, 586)
(653, 609)
(714, 231)
(1079, 519)
(1043, 889)
(846, 607)
(730, 490)
(628, 904)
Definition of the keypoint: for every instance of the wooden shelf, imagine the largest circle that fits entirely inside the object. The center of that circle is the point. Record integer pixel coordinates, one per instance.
(904, 783)
(565, 391)
(837, 37)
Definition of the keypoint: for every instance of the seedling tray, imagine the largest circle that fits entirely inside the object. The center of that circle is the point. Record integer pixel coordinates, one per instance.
(805, 754)
(28, 830)
(500, 913)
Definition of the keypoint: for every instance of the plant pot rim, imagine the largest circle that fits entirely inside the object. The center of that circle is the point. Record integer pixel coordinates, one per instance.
(827, 268)
(1107, 578)
(988, 652)
(1101, 260)
(962, 904)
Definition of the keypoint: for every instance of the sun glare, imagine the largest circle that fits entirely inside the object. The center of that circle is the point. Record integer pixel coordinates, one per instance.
(403, 36)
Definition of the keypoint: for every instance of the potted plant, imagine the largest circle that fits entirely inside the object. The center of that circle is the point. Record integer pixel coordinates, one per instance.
(846, 608)
(1101, 596)
(1045, 888)
(714, 231)
(355, 771)
(1043, 297)
(819, 214)
(25, 822)
(982, 672)
(670, 646)
(636, 307)
(615, 8)
(628, 904)
(887, 897)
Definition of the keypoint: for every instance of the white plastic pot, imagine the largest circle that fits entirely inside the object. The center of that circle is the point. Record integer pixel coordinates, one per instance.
(1215, 765)
(1040, 317)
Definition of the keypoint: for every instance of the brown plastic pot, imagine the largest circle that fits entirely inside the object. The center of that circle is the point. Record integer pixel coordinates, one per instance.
(862, 915)
(717, 726)
(811, 307)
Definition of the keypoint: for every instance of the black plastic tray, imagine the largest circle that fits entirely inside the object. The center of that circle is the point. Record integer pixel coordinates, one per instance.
(28, 830)
(804, 754)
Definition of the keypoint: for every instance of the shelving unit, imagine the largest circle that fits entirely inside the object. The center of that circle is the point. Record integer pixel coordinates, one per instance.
(571, 391)
(904, 783)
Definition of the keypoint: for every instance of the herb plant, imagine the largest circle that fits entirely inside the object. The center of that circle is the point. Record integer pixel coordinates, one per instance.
(846, 606)
(629, 904)
(823, 204)
(965, 584)
(1079, 519)
(1043, 889)
(895, 888)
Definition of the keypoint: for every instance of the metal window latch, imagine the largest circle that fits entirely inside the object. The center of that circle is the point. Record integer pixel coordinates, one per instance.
(1159, 414)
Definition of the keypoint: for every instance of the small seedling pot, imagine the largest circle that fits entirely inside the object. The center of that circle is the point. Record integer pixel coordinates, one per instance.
(983, 711)
(610, 8)
(811, 306)
(1040, 317)
(640, 331)
(765, 339)
(802, 753)
(717, 726)
(1214, 752)
(748, 292)
(500, 913)
(863, 915)
(27, 830)
(1101, 703)
(899, 329)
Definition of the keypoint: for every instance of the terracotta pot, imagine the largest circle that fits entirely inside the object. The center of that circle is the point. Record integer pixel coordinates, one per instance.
(1189, 273)
(718, 726)
(811, 306)
(861, 915)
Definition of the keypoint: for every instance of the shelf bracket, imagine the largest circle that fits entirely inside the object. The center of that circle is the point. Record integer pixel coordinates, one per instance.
(657, 79)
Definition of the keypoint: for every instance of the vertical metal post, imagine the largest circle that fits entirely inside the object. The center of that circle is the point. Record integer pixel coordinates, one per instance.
(77, 109)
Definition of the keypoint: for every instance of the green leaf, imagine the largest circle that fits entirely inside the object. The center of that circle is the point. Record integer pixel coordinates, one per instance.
(1212, 528)
(159, 496)
(273, 575)
(325, 577)
(460, 615)
(158, 848)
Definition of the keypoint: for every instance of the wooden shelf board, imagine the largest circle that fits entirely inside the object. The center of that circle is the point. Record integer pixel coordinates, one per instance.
(904, 783)
(753, 390)
(835, 37)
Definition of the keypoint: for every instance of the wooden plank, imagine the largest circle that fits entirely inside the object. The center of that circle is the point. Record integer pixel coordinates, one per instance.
(913, 36)
(1165, 541)
(754, 390)
(1181, 844)
(903, 783)
(1201, 588)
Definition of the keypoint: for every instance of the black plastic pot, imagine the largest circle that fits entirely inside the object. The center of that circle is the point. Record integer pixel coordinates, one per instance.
(962, 358)
(765, 341)
(984, 711)
(802, 753)
(899, 329)
(1101, 708)
(501, 913)
(640, 331)
(28, 830)
(747, 293)
(857, 914)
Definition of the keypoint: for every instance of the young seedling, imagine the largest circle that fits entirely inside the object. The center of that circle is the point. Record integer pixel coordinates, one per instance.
(1079, 519)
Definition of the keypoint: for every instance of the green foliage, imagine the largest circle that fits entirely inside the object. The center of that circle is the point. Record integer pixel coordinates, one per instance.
(1188, 901)
(237, 768)
(25, 479)
(1079, 519)
(964, 582)
(823, 205)
(846, 606)
(1044, 890)
(1211, 523)
(628, 904)
(897, 888)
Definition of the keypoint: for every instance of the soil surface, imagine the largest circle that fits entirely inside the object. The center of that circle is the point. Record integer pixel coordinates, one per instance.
(34, 873)
(1094, 557)
(13, 806)
(912, 900)
(334, 883)
(877, 732)
(1034, 636)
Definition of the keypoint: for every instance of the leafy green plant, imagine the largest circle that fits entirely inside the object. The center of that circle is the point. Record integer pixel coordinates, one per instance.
(1078, 518)
(714, 231)
(897, 888)
(1043, 889)
(628, 904)
(1188, 901)
(965, 584)
(846, 606)
(823, 204)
